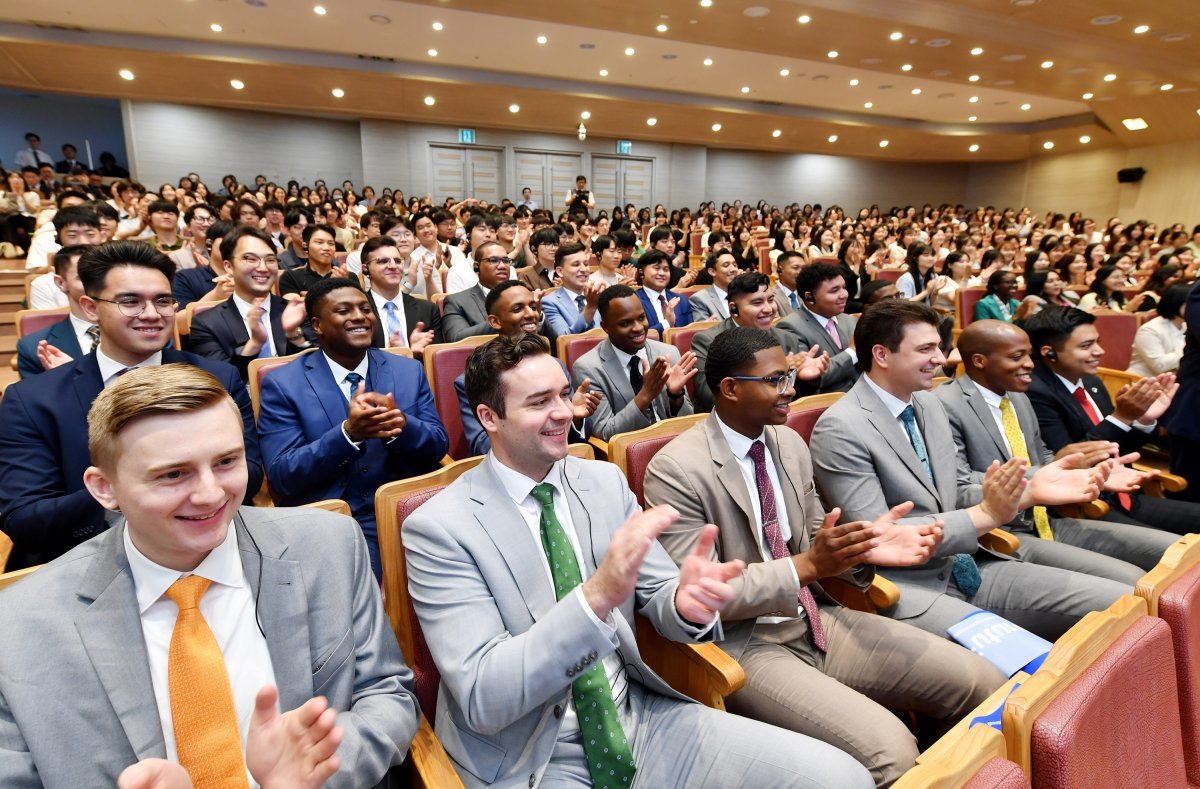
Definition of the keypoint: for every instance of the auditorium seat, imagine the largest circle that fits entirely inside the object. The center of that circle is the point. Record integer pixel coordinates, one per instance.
(965, 300)
(681, 336)
(572, 346)
(1172, 593)
(30, 321)
(1117, 330)
(259, 368)
(1103, 710)
(973, 759)
(890, 274)
(183, 321)
(5, 550)
(445, 361)
(8, 579)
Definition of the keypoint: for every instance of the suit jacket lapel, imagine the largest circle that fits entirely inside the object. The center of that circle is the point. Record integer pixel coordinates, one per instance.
(62, 336)
(87, 381)
(111, 631)
(894, 435)
(278, 336)
(618, 375)
(325, 389)
(233, 322)
(278, 586)
(729, 472)
(983, 412)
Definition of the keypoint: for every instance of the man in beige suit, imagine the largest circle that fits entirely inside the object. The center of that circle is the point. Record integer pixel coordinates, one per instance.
(745, 471)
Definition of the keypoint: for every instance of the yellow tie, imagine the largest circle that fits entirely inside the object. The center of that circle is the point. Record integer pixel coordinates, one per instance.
(207, 738)
(1016, 440)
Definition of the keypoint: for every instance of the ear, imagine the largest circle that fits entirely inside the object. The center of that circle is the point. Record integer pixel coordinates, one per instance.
(88, 304)
(728, 389)
(1045, 350)
(494, 322)
(100, 487)
(488, 418)
(880, 356)
(60, 283)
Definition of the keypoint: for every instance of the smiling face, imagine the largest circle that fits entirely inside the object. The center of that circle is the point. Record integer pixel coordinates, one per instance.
(724, 271)
(1080, 354)
(912, 366)
(574, 271)
(626, 324)
(758, 403)
(344, 322)
(516, 311)
(830, 298)
(254, 268)
(321, 248)
(1008, 366)
(532, 434)
(756, 310)
(385, 268)
(129, 340)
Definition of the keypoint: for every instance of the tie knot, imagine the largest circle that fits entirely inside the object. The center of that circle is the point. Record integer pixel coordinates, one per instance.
(908, 416)
(1005, 405)
(635, 364)
(389, 306)
(544, 493)
(354, 379)
(186, 592)
(758, 452)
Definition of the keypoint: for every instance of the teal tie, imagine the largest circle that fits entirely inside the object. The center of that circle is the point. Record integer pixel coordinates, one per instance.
(965, 570)
(609, 758)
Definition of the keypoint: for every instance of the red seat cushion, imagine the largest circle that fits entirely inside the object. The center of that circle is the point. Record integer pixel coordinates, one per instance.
(1117, 725)
(577, 348)
(999, 774)
(682, 339)
(448, 364)
(1117, 331)
(40, 320)
(637, 458)
(426, 676)
(1179, 607)
(803, 421)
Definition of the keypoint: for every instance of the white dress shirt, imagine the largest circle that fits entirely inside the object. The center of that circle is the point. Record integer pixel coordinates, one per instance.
(43, 247)
(244, 307)
(44, 294)
(381, 305)
(30, 158)
(109, 369)
(893, 404)
(740, 446)
(228, 608)
(80, 327)
(461, 275)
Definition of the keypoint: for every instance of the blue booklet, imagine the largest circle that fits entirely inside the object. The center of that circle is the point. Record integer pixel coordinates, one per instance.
(993, 717)
(1007, 646)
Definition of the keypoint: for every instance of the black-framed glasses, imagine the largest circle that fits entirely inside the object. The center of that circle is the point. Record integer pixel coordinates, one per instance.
(496, 260)
(782, 383)
(132, 306)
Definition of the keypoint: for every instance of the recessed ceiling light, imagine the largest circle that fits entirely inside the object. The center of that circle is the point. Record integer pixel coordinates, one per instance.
(319, 10)
(883, 143)
(604, 72)
(1088, 96)
(1135, 124)
(973, 148)
(745, 89)
(716, 127)
(1107, 19)
(833, 137)
(896, 36)
(629, 51)
(542, 39)
(661, 28)
(832, 53)
(784, 72)
(433, 53)
(430, 101)
(708, 61)
(916, 91)
(977, 51)
(777, 133)
(906, 67)
(215, 28)
(236, 84)
(973, 100)
(585, 115)
(437, 25)
(380, 19)
(1173, 38)
(338, 93)
(706, 3)
(972, 118)
(868, 105)
(514, 108)
(1142, 29)
(651, 121)
(804, 19)
(1085, 139)
(854, 83)
(1165, 86)
(973, 78)
(1109, 77)
(1048, 145)
(1047, 64)
(1026, 107)
(125, 74)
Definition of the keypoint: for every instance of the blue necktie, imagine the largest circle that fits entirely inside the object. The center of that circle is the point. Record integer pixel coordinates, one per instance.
(965, 570)
(353, 379)
(393, 323)
(795, 301)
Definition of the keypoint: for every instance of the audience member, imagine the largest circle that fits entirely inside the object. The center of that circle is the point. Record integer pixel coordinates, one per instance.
(319, 241)
(401, 320)
(712, 303)
(540, 275)
(664, 307)
(821, 322)
(1159, 342)
(64, 340)
(1181, 420)
(294, 223)
(194, 253)
(209, 282)
(465, 314)
(787, 270)
(571, 309)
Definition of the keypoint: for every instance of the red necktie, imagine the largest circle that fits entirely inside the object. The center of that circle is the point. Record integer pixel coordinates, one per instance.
(779, 549)
(1090, 410)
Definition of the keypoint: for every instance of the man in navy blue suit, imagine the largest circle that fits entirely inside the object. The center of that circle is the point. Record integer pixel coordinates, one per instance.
(66, 339)
(1183, 418)
(43, 420)
(664, 307)
(340, 422)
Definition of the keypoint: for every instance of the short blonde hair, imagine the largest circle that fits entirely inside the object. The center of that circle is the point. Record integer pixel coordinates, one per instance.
(149, 391)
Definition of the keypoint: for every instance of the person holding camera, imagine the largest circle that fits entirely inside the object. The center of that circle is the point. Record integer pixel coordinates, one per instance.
(580, 200)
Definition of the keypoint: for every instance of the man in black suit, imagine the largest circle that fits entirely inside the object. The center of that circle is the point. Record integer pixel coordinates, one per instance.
(1073, 406)
(43, 420)
(208, 282)
(253, 323)
(401, 320)
(464, 314)
(1183, 419)
(69, 163)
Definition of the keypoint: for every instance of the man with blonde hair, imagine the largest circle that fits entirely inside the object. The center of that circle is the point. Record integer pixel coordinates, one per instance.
(244, 645)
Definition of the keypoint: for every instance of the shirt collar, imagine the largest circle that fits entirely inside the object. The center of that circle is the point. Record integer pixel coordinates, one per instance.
(340, 373)
(1071, 385)
(223, 565)
(893, 404)
(518, 486)
(989, 397)
(738, 443)
(110, 368)
(244, 307)
(624, 358)
(79, 324)
(654, 294)
(380, 301)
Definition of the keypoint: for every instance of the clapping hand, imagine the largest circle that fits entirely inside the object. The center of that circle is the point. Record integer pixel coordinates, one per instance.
(903, 545)
(418, 340)
(585, 401)
(703, 583)
(293, 750)
(373, 415)
(50, 356)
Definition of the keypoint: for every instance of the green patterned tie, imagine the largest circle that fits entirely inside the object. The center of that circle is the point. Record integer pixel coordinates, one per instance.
(609, 758)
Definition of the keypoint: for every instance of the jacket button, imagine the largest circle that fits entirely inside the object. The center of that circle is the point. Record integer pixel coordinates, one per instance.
(570, 672)
(592, 655)
(558, 710)
(532, 780)
(363, 469)
(941, 576)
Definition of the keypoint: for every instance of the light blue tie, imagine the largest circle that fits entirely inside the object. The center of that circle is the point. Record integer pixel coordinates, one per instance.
(393, 322)
(353, 380)
(265, 351)
(965, 570)
(795, 301)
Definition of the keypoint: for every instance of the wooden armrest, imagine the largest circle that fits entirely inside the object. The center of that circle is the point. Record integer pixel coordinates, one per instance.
(445, 461)
(1093, 510)
(430, 766)
(601, 447)
(703, 672)
(1000, 541)
(1164, 483)
(882, 593)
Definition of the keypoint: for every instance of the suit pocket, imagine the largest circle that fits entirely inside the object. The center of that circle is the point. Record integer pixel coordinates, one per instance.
(329, 665)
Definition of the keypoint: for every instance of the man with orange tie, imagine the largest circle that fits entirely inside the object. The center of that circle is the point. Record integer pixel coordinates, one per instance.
(248, 647)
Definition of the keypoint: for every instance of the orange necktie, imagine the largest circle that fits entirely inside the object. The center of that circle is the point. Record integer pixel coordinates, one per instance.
(207, 739)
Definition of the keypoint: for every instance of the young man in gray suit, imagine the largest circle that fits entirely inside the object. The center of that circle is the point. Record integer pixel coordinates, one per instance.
(526, 573)
(992, 419)
(463, 313)
(286, 618)
(888, 441)
(641, 380)
(712, 304)
(833, 679)
(821, 322)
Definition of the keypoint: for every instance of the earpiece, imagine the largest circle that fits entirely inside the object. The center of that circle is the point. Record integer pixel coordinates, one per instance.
(476, 268)
(733, 310)
(809, 297)
(1052, 355)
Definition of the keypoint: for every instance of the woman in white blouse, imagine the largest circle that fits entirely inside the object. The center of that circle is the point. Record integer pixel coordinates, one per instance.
(1158, 344)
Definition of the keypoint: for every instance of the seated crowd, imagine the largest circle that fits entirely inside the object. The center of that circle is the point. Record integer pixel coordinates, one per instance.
(132, 459)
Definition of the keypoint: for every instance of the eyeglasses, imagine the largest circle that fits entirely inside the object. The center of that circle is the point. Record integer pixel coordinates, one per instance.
(133, 306)
(782, 383)
(255, 260)
(496, 260)
(383, 262)
(203, 219)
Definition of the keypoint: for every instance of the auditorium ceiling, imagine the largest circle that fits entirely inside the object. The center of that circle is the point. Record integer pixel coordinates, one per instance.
(906, 80)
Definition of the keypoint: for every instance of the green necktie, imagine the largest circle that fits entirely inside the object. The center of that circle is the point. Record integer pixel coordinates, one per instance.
(609, 758)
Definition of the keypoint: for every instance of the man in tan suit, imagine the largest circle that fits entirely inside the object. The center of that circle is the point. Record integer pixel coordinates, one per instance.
(745, 471)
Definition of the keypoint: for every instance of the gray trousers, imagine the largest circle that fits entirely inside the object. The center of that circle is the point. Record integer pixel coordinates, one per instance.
(686, 745)
(1118, 551)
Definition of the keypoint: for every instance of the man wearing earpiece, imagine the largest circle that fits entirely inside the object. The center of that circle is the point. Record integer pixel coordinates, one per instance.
(821, 322)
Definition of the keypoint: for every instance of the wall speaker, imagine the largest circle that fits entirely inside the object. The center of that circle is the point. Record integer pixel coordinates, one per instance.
(1130, 175)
